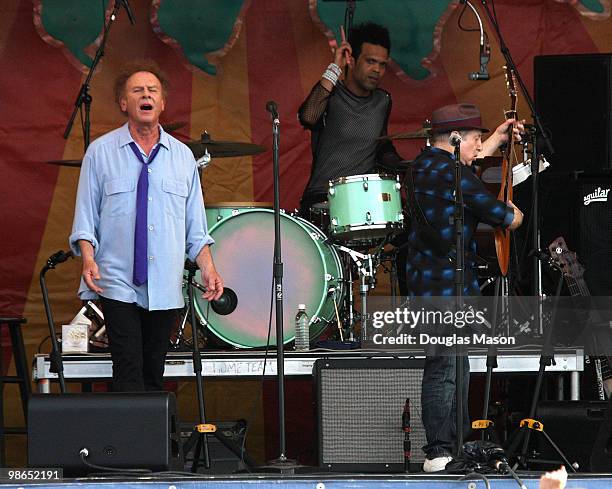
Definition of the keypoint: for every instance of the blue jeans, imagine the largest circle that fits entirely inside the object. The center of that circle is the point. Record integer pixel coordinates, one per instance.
(438, 404)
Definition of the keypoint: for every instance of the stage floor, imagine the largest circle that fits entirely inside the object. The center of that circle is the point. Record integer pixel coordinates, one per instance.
(322, 481)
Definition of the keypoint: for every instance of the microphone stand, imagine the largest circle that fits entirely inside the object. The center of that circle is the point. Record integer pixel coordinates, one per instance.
(535, 160)
(459, 284)
(83, 97)
(57, 365)
(547, 358)
(282, 463)
(199, 434)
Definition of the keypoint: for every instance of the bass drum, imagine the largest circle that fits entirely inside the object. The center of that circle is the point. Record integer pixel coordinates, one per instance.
(217, 211)
(243, 255)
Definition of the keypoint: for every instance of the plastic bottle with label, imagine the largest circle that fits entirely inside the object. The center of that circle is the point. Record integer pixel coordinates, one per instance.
(302, 329)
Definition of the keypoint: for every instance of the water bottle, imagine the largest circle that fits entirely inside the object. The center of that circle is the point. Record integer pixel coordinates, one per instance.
(302, 325)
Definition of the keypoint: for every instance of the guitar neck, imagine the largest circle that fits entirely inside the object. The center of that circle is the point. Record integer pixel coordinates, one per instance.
(576, 286)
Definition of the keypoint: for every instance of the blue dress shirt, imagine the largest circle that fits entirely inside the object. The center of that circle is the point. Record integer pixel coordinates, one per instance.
(105, 215)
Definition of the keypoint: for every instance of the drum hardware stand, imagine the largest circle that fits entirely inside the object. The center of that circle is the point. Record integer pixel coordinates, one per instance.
(546, 359)
(199, 435)
(349, 319)
(57, 365)
(367, 272)
(83, 97)
(392, 271)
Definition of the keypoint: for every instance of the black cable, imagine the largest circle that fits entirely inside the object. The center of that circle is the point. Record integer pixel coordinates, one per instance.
(84, 453)
(515, 476)
(263, 375)
(476, 475)
(495, 15)
(42, 342)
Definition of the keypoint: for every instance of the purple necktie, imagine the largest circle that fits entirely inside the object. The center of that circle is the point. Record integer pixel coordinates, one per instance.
(140, 231)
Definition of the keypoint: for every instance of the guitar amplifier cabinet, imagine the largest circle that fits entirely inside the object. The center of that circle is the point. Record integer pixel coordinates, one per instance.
(578, 207)
(359, 408)
(595, 232)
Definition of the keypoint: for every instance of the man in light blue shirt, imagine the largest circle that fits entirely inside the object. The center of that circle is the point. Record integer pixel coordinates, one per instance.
(139, 212)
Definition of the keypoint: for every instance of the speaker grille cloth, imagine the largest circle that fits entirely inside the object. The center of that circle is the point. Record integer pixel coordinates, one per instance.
(361, 411)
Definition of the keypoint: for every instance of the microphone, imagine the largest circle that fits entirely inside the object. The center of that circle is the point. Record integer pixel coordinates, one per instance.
(273, 109)
(485, 49)
(224, 305)
(126, 5)
(59, 257)
(455, 139)
(406, 429)
(485, 56)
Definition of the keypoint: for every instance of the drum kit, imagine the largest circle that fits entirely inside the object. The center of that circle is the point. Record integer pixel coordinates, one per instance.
(342, 238)
(323, 253)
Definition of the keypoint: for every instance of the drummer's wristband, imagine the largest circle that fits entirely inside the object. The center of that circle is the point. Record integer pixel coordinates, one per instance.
(332, 73)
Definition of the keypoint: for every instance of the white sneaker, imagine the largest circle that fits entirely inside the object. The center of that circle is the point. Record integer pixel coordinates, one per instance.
(436, 464)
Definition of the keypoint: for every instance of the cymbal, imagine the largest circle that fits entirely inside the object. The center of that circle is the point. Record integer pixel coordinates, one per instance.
(420, 134)
(222, 149)
(73, 163)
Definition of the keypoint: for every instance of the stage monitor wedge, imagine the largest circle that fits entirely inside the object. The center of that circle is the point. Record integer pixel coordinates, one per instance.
(122, 430)
(573, 96)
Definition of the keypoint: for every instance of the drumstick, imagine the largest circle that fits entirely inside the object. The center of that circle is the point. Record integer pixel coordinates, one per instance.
(346, 54)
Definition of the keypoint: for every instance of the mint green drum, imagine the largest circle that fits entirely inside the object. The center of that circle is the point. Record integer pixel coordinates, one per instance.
(217, 211)
(365, 207)
(243, 255)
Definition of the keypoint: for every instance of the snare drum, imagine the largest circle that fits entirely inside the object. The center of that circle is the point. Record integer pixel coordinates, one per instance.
(217, 211)
(365, 207)
(243, 255)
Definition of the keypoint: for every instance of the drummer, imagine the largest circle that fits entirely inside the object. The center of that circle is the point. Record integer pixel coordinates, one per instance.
(347, 116)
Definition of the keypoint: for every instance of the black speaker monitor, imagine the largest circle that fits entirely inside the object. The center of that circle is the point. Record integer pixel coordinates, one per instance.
(575, 427)
(573, 96)
(135, 430)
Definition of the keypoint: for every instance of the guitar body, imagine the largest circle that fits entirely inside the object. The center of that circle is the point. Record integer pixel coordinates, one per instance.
(502, 236)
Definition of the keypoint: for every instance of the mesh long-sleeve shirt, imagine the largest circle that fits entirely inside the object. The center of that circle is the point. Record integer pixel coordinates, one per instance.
(345, 129)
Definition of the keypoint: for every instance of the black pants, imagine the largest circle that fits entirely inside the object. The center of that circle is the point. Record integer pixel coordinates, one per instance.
(138, 341)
